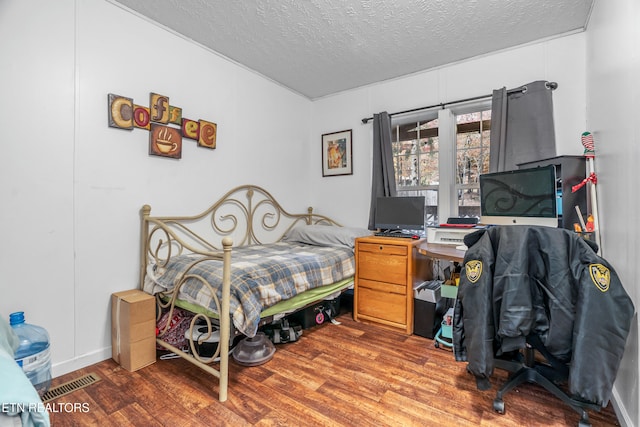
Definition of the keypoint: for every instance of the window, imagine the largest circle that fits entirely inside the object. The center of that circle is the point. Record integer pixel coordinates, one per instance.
(415, 147)
(444, 165)
(472, 159)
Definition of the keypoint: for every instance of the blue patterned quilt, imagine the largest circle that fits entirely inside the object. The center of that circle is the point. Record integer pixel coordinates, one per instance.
(261, 276)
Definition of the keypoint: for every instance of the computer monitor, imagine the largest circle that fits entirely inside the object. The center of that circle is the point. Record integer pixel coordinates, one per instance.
(521, 196)
(400, 213)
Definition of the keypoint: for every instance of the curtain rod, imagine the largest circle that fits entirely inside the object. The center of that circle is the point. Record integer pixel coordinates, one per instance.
(549, 85)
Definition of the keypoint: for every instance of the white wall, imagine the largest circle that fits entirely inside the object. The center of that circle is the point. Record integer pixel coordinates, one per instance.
(613, 94)
(37, 174)
(560, 60)
(72, 187)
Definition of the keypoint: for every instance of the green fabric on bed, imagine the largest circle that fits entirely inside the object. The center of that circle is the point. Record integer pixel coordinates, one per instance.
(286, 306)
(306, 297)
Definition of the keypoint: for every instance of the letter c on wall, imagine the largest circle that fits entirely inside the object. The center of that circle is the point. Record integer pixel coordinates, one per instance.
(120, 112)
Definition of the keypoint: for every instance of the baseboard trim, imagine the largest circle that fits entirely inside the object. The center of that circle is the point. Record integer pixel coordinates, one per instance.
(62, 368)
(621, 411)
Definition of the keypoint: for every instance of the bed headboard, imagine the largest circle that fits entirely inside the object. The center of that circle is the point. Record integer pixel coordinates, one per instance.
(248, 214)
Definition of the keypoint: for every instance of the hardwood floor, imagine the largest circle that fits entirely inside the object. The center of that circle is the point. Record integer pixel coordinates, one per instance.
(351, 374)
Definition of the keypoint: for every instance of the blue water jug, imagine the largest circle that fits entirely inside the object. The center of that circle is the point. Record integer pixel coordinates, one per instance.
(33, 353)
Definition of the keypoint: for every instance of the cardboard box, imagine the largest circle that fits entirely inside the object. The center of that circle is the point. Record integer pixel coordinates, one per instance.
(133, 329)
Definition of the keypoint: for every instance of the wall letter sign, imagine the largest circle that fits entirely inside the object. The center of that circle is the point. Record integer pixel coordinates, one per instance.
(164, 122)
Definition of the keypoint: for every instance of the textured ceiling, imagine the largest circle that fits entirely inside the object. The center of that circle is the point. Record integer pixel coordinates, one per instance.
(320, 47)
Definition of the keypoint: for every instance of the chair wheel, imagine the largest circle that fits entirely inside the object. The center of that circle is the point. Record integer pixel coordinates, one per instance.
(436, 344)
(498, 405)
(583, 423)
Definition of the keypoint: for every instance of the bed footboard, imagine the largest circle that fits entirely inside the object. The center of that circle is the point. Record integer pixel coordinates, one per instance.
(222, 352)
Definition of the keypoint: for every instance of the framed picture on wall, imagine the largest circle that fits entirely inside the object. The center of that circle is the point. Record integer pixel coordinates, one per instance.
(336, 154)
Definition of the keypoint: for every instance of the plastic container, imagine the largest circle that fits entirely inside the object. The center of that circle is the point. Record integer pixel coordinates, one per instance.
(254, 351)
(33, 353)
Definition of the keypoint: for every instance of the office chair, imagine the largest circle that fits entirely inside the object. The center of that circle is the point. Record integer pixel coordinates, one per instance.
(549, 373)
(527, 290)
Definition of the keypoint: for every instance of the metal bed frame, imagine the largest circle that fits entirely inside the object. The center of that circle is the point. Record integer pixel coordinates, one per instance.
(246, 215)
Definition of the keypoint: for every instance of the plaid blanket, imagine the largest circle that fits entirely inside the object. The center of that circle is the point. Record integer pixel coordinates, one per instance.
(261, 276)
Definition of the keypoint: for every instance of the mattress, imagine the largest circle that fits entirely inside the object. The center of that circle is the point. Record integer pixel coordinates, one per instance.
(265, 280)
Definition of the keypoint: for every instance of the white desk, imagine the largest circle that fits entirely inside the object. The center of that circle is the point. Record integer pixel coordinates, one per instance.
(440, 251)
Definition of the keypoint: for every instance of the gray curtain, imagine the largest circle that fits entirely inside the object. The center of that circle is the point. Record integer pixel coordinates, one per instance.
(383, 182)
(522, 128)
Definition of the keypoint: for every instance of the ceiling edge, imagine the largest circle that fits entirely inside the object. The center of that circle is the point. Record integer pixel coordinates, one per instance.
(472, 58)
(200, 45)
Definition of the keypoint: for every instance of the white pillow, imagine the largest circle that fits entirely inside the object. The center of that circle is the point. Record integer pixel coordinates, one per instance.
(325, 235)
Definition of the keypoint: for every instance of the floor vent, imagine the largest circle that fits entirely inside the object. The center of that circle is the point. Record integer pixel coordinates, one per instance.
(70, 387)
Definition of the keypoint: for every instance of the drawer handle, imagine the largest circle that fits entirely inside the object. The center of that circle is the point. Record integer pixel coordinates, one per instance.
(381, 247)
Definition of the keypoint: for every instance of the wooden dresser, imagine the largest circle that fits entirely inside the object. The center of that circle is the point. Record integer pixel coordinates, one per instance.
(387, 268)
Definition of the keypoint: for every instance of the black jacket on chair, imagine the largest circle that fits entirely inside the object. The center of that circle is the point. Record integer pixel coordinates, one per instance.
(521, 280)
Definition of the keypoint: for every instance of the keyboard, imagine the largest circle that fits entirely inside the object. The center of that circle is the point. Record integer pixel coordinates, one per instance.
(396, 234)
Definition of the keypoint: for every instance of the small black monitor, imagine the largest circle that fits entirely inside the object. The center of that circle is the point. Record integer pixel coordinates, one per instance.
(400, 213)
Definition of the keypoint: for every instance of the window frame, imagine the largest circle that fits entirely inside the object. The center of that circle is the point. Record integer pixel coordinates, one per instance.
(447, 188)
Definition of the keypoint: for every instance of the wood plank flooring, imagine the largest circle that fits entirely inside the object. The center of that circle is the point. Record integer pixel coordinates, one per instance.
(352, 374)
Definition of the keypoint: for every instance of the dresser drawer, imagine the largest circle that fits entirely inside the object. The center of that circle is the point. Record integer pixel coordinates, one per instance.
(392, 288)
(386, 270)
(382, 305)
(383, 249)
(382, 267)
